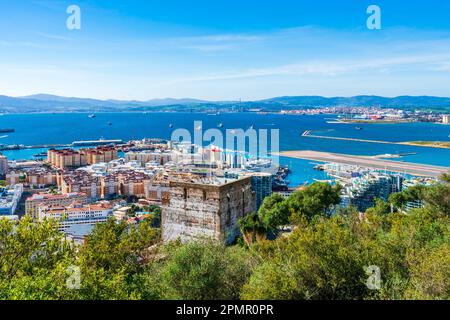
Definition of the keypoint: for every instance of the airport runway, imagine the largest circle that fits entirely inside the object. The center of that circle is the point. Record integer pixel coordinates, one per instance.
(369, 162)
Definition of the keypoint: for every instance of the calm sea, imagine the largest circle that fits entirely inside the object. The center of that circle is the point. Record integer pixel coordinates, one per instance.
(34, 129)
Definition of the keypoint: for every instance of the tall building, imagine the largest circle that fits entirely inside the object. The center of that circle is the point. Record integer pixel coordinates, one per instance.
(3, 166)
(206, 207)
(70, 158)
(9, 199)
(365, 189)
(66, 158)
(99, 154)
(48, 199)
(262, 186)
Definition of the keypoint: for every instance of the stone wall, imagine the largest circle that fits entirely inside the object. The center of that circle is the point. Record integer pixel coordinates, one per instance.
(196, 211)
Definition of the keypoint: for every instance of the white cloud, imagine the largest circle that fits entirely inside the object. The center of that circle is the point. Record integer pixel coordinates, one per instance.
(51, 36)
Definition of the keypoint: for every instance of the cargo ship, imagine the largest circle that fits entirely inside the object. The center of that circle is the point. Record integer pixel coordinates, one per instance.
(7, 130)
(96, 142)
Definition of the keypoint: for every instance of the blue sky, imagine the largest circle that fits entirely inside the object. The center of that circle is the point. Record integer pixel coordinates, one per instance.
(224, 50)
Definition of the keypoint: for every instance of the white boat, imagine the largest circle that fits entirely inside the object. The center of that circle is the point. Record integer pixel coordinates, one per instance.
(335, 122)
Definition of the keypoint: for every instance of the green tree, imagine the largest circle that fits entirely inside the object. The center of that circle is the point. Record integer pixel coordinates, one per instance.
(28, 246)
(320, 260)
(274, 211)
(381, 207)
(398, 200)
(201, 270)
(445, 177)
(33, 259)
(429, 273)
(316, 199)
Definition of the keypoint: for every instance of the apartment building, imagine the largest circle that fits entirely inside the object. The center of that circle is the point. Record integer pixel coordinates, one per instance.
(9, 199)
(3, 166)
(34, 177)
(446, 119)
(110, 184)
(262, 186)
(132, 183)
(80, 181)
(365, 189)
(99, 154)
(41, 177)
(157, 189)
(77, 218)
(66, 158)
(14, 177)
(48, 199)
(70, 158)
(144, 157)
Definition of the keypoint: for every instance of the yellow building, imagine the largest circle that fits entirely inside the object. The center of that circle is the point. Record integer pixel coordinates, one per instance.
(99, 154)
(446, 119)
(65, 158)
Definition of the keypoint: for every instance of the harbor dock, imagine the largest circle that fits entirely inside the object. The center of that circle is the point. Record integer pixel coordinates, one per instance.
(87, 143)
(369, 162)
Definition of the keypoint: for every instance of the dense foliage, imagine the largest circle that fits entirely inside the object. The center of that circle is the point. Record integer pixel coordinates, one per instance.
(331, 253)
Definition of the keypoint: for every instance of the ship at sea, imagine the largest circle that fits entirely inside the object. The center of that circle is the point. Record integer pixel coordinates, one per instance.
(7, 130)
(40, 155)
(96, 142)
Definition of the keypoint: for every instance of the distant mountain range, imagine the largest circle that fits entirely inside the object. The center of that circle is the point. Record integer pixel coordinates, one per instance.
(52, 103)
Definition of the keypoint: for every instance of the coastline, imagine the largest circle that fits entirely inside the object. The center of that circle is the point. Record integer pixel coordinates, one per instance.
(378, 121)
(428, 144)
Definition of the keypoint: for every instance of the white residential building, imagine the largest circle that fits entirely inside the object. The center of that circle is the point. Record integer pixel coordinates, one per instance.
(77, 219)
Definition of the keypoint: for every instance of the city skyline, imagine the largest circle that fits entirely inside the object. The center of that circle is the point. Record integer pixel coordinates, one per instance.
(217, 51)
(229, 151)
